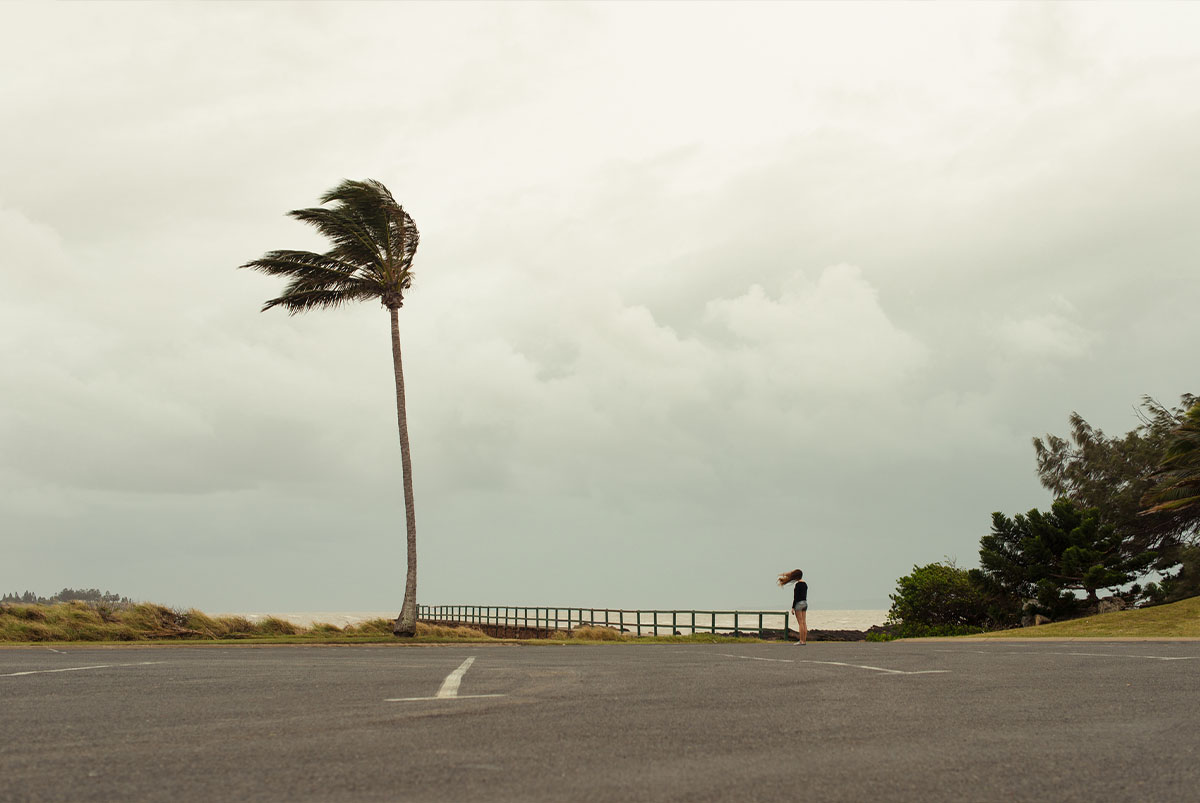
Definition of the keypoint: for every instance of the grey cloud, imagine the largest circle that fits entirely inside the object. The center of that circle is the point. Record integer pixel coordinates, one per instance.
(641, 370)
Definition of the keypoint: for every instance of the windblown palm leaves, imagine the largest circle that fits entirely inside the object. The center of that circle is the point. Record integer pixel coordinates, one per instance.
(374, 242)
(1178, 485)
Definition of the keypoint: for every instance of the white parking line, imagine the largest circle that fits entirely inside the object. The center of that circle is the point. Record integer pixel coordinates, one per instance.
(455, 697)
(881, 669)
(1119, 655)
(838, 663)
(77, 669)
(753, 658)
(449, 688)
(1085, 654)
(450, 684)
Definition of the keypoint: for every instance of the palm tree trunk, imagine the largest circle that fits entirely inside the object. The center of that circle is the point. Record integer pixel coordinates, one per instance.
(406, 622)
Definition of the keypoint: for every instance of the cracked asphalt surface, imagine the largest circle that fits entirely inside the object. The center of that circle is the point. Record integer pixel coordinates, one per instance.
(928, 721)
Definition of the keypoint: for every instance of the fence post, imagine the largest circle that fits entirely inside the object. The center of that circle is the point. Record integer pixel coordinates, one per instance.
(735, 624)
(760, 624)
(674, 625)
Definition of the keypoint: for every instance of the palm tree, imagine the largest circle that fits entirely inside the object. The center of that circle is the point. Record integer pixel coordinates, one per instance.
(374, 241)
(1178, 488)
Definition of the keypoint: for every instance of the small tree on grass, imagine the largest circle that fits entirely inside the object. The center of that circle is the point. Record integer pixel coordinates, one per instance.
(939, 599)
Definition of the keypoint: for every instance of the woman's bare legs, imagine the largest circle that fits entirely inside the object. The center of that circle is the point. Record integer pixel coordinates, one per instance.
(802, 624)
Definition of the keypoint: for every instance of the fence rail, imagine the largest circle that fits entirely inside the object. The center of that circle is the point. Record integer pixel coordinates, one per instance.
(684, 622)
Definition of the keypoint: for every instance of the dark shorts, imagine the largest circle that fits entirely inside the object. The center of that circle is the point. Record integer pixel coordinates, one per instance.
(800, 606)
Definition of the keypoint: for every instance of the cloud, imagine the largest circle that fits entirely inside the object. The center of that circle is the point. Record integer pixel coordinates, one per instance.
(785, 288)
(1050, 335)
(830, 334)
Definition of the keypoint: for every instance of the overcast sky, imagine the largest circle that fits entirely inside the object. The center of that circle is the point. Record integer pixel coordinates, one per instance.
(705, 292)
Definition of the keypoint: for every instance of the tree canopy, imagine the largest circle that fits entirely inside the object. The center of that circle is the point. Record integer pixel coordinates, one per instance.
(1046, 556)
(1113, 474)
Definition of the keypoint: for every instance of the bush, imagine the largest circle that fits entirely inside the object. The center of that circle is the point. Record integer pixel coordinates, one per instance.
(1184, 584)
(939, 599)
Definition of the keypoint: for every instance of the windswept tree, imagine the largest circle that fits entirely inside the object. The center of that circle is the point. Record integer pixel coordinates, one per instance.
(374, 241)
(1114, 474)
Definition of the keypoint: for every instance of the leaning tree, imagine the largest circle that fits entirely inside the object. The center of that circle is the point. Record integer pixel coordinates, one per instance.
(374, 241)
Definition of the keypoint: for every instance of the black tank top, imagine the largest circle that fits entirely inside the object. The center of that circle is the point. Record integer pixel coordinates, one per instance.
(801, 593)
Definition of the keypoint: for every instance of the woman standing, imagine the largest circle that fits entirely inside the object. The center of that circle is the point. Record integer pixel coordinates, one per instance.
(799, 601)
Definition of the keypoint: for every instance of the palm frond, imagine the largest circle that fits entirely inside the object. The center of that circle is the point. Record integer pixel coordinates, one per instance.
(1178, 486)
(303, 264)
(373, 241)
(353, 240)
(299, 297)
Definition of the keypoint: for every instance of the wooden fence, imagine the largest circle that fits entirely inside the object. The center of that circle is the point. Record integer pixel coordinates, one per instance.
(641, 622)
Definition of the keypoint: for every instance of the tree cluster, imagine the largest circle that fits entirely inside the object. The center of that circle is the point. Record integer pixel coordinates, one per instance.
(91, 595)
(1125, 507)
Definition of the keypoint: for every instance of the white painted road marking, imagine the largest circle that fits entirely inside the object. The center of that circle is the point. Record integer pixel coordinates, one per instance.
(838, 663)
(455, 697)
(881, 669)
(449, 689)
(1086, 654)
(1118, 655)
(77, 669)
(450, 684)
(752, 658)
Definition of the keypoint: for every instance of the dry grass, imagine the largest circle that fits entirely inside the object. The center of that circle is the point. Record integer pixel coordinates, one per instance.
(1177, 620)
(81, 622)
(590, 633)
(78, 621)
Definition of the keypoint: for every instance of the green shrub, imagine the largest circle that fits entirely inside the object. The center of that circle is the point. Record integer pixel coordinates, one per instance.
(936, 599)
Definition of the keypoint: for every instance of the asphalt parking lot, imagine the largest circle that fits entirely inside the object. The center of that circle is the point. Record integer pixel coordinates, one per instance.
(929, 721)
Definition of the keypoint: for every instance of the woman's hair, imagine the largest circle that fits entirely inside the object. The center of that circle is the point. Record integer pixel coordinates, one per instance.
(787, 577)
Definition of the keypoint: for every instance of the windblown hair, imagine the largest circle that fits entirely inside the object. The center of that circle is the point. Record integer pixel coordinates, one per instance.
(789, 577)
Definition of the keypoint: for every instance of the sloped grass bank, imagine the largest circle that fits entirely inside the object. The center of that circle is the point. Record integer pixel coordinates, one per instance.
(81, 622)
(1176, 620)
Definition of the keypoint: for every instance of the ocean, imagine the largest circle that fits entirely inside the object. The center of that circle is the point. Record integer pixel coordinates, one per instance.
(818, 619)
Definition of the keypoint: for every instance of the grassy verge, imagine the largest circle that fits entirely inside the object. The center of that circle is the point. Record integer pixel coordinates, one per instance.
(592, 635)
(78, 622)
(1177, 620)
